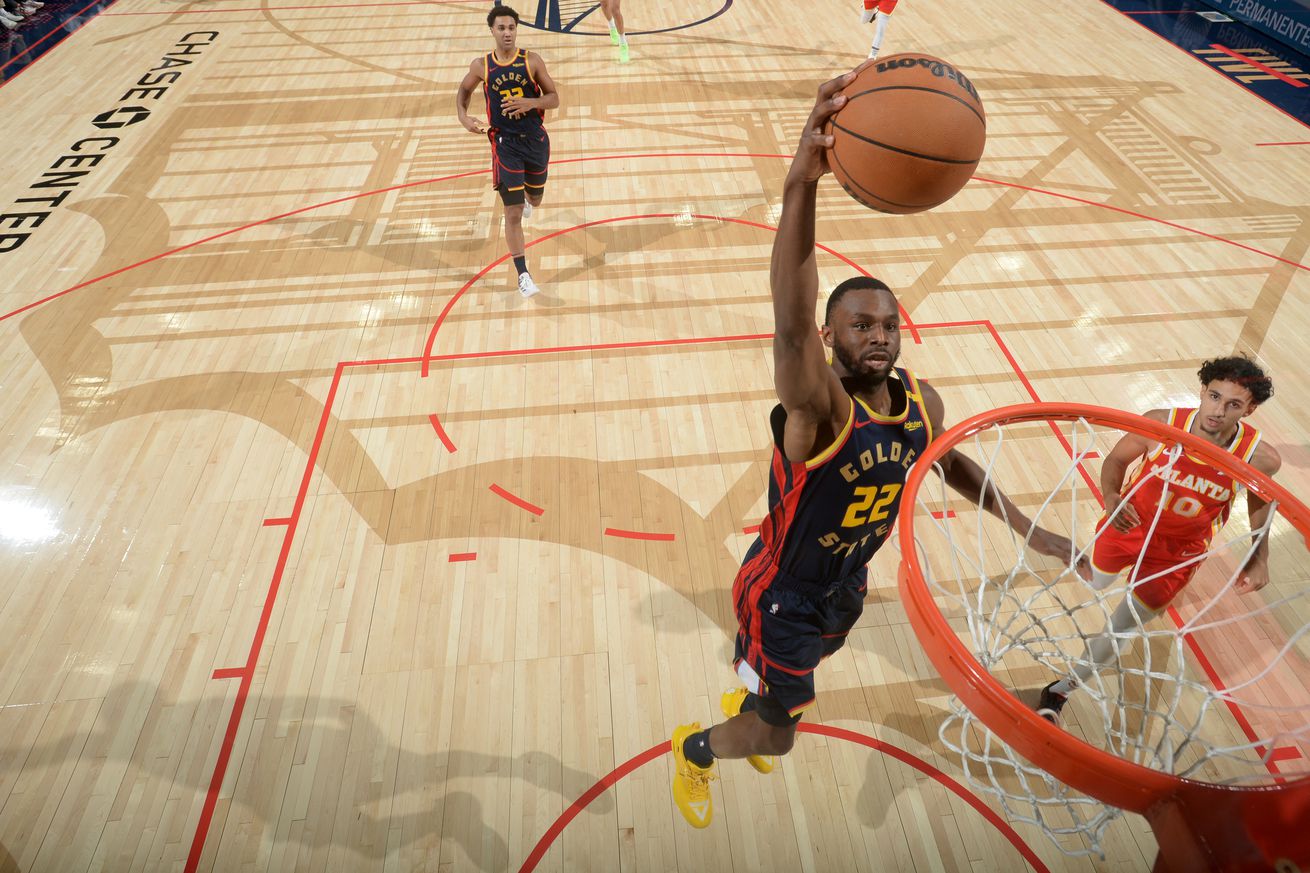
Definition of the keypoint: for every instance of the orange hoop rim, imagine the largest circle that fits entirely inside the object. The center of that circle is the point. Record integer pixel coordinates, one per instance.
(1093, 771)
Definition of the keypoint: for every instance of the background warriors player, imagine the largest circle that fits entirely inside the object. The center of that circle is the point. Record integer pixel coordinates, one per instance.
(845, 436)
(518, 92)
(1181, 506)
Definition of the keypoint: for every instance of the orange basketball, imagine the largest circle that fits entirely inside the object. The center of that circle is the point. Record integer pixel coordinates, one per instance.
(910, 135)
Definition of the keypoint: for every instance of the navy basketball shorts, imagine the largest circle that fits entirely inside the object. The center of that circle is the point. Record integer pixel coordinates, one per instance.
(519, 161)
(783, 634)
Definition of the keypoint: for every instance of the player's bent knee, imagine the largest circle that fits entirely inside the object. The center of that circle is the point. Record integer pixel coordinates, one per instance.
(781, 740)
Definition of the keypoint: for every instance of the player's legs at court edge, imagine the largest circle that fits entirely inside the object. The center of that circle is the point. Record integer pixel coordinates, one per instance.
(782, 637)
(522, 163)
(1117, 552)
(879, 12)
(745, 735)
(517, 248)
(618, 36)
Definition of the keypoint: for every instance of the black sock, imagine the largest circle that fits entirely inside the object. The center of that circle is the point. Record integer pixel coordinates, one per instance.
(696, 749)
(521, 263)
(750, 702)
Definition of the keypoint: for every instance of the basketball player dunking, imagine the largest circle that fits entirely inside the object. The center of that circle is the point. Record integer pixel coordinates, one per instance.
(845, 435)
(1196, 500)
(518, 91)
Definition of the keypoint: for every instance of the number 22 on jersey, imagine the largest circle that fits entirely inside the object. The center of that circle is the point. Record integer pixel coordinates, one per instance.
(870, 504)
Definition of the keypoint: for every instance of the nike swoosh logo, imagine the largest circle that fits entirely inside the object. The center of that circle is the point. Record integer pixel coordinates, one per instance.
(863, 423)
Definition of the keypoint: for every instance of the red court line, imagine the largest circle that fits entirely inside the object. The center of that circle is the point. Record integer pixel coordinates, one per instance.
(1257, 65)
(65, 35)
(1208, 66)
(516, 500)
(441, 433)
(1192, 644)
(450, 304)
(752, 528)
(559, 350)
(273, 522)
(1032, 392)
(229, 232)
(226, 749)
(230, 673)
(1213, 676)
(1284, 753)
(256, 644)
(638, 535)
(552, 833)
(243, 692)
(1300, 142)
(1091, 484)
(462, 556)
(1123, 211)
(471, 173)
(361, 195)
(211, 10)
(950, 513)
(585, 347)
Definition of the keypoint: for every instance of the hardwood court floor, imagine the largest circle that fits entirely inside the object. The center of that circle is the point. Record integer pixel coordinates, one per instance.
(323, 550)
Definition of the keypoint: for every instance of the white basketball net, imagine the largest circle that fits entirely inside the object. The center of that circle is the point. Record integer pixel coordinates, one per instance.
(1154, 703)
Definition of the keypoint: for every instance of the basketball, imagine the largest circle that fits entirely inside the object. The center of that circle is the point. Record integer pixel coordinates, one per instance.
(910, 135)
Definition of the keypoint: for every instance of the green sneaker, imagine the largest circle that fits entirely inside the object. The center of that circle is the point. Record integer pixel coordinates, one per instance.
(623, 53)
(614, 35)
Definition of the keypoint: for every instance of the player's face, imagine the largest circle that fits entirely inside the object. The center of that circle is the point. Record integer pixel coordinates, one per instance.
(865, 334)
(505, 30)
(1223, 404)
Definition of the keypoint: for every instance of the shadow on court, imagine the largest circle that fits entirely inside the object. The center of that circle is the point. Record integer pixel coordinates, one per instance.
(316, 782)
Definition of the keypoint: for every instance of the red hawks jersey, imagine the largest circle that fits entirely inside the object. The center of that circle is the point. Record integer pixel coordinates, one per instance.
(1197, 498)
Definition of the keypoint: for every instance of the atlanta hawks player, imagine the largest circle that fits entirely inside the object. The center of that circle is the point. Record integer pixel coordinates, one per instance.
(1196, 500)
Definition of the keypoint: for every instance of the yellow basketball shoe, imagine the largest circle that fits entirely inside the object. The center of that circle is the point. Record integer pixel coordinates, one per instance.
(730, 703)
(691, 784)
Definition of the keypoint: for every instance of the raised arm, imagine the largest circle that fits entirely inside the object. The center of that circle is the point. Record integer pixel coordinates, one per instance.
(817, 405)
(1255, 574)
(1128, 451)
(964, 475)
(471, 80)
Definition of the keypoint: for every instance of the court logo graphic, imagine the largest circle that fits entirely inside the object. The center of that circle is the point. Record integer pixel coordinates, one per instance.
(80, 159)
(123, 116)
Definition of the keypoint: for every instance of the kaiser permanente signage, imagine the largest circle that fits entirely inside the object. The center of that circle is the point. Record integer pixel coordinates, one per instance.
(1287, 21)
(81, 158)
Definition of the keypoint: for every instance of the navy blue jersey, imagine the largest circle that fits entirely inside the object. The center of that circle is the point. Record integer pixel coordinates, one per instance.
(504, 81)
(828, 516)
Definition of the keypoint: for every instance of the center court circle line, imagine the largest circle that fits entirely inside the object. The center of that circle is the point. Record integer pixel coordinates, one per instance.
(658, 751)
(450, 304)
(524, 22)
(198, 843)
(639, 156)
